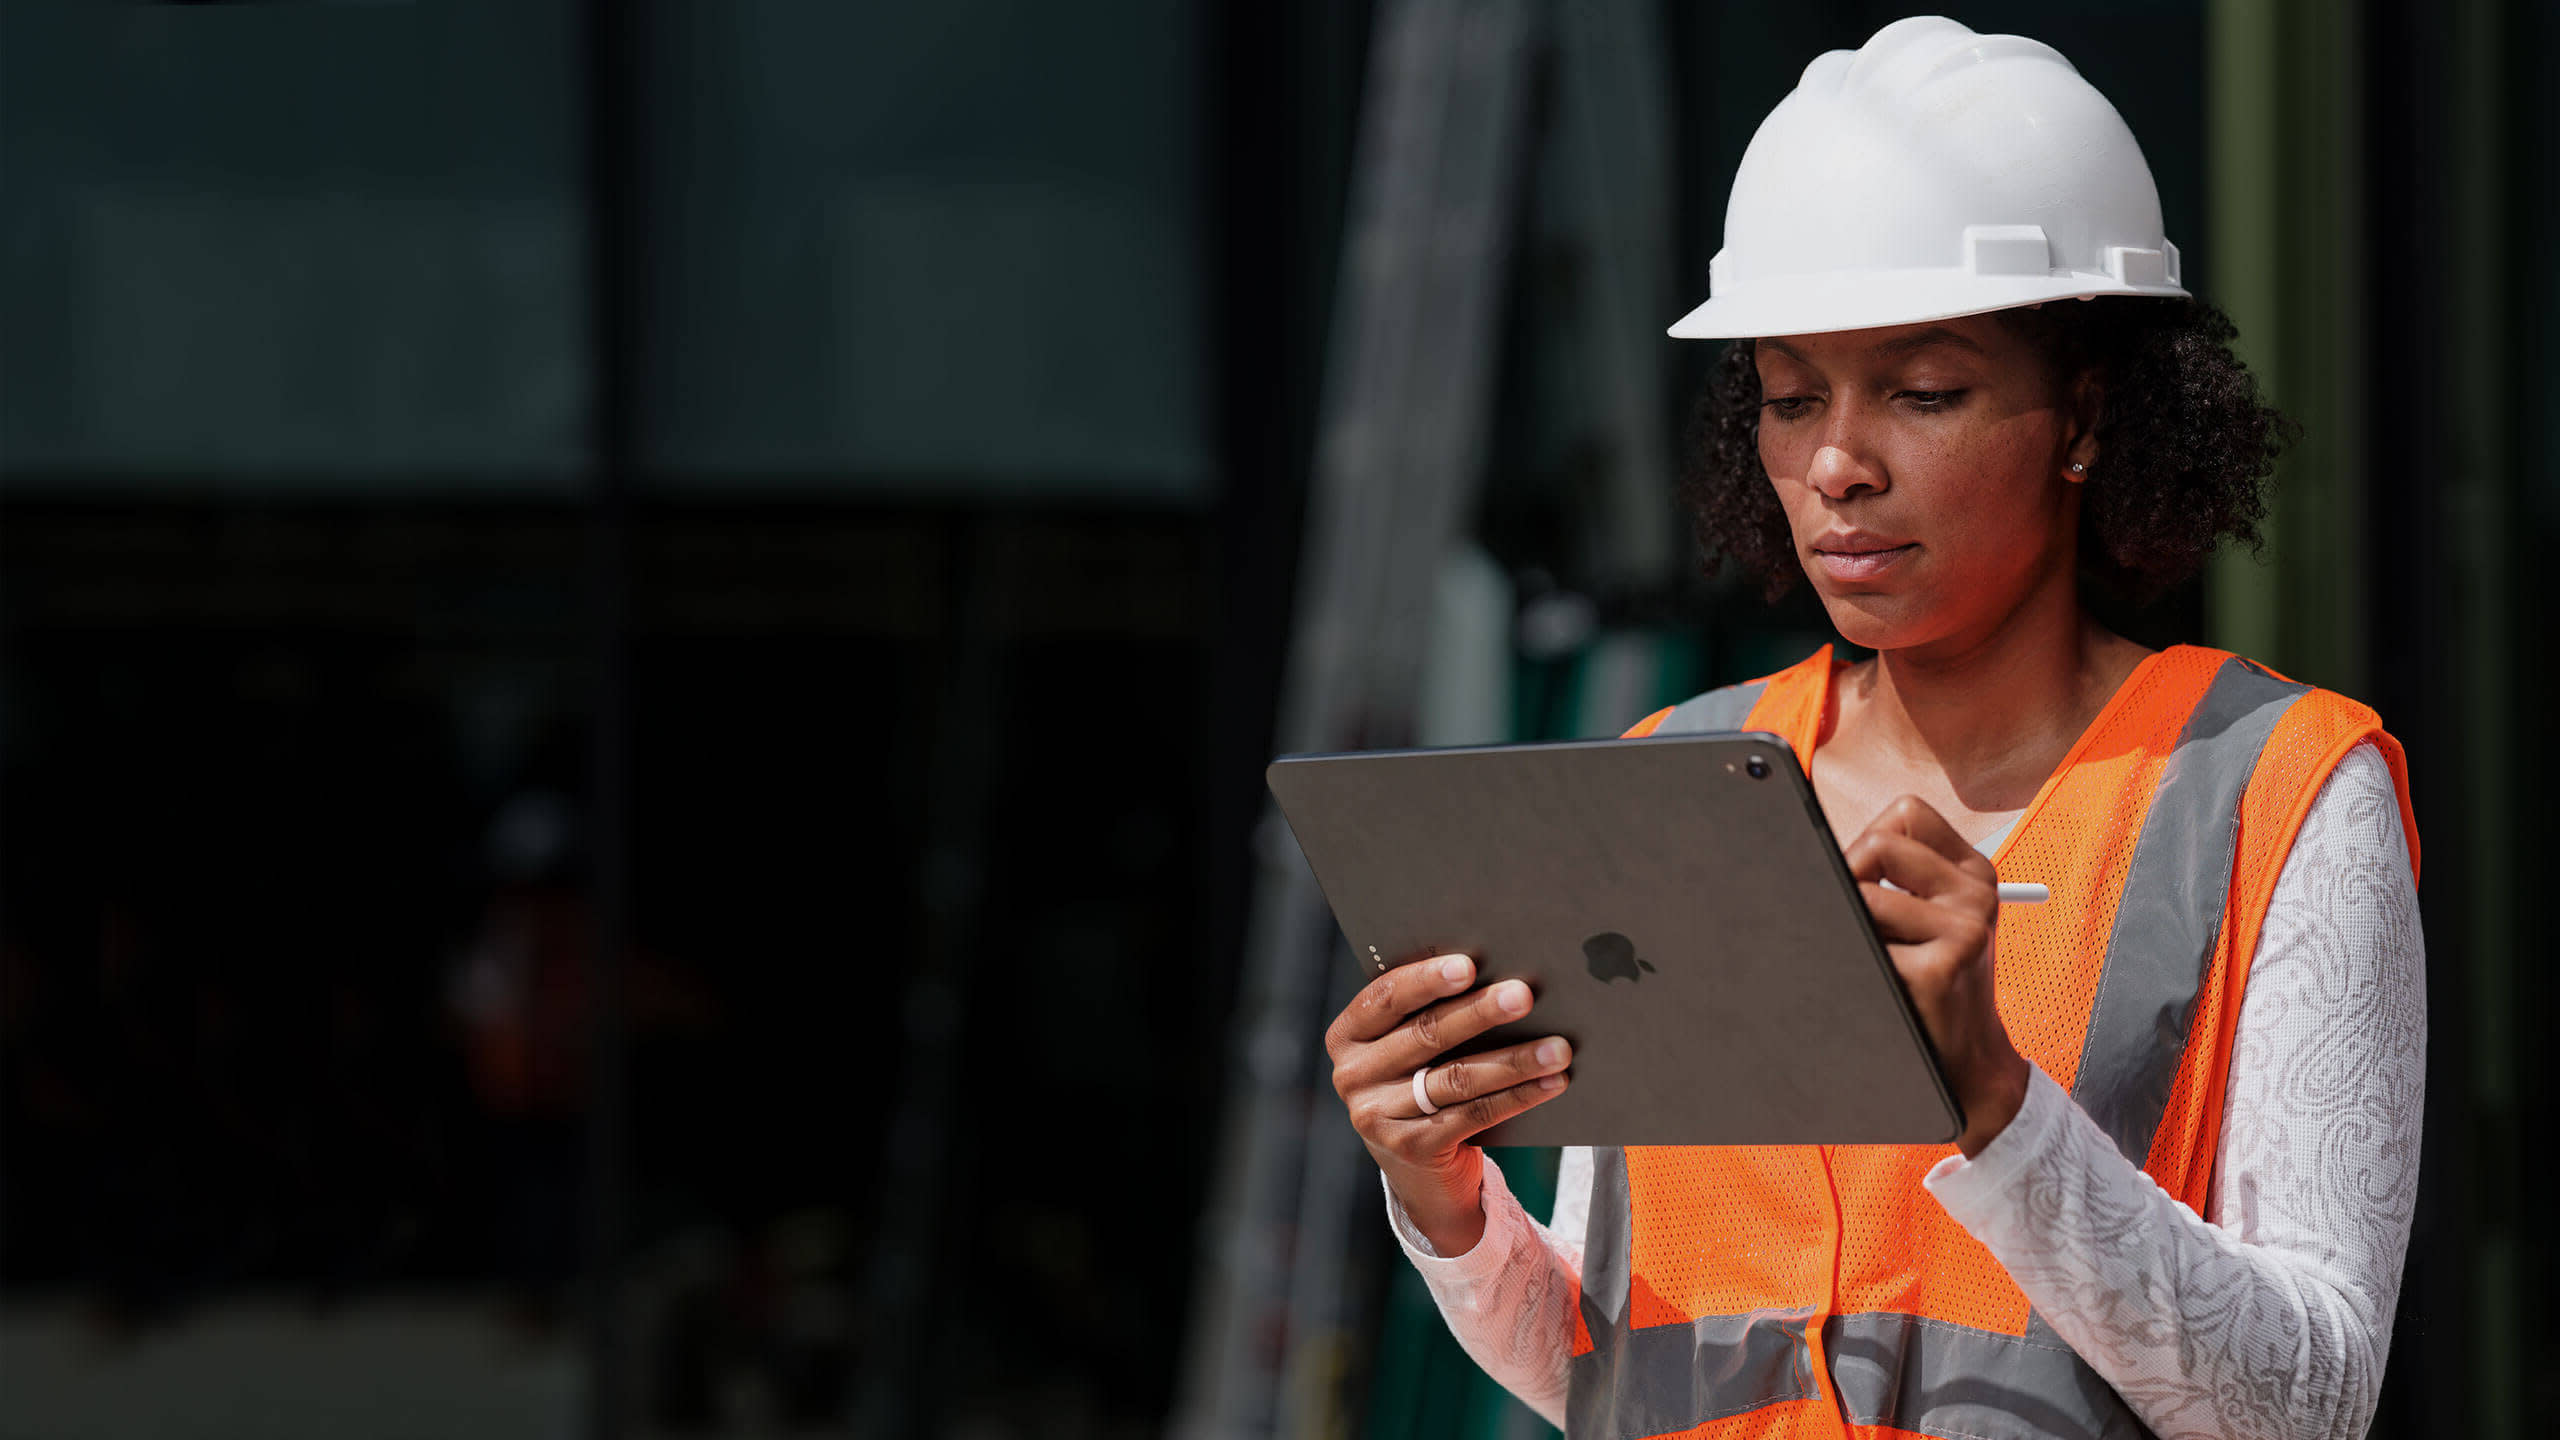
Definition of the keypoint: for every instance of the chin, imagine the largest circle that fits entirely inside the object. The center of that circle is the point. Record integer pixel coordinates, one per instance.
(1877, 621)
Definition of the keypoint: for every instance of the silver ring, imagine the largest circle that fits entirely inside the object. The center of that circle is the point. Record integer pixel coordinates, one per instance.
(1421, 1094)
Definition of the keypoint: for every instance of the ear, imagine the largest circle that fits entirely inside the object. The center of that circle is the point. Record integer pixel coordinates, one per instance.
(2086, 403)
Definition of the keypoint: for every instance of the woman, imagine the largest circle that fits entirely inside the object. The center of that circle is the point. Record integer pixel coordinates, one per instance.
(2192, 1081)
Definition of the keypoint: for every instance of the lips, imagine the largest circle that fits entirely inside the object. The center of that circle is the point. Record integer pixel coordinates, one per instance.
(1859, 557)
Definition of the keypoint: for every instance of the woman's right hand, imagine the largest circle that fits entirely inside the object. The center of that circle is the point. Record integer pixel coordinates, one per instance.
(1404, 1020)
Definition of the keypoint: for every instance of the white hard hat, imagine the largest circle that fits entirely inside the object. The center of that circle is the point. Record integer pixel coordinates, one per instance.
(1931, 173)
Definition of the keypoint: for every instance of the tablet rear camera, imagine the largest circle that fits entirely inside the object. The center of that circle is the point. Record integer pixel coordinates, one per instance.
(1757, 767)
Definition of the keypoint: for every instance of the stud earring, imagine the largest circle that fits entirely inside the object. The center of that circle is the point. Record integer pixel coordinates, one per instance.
(2079, 469)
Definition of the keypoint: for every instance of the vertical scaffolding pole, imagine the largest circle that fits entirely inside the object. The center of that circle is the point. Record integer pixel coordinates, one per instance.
(1398, 456)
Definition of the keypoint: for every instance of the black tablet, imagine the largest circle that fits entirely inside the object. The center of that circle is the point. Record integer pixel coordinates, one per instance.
(1677, 905)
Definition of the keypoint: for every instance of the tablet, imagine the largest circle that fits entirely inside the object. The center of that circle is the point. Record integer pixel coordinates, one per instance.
(1676, 904)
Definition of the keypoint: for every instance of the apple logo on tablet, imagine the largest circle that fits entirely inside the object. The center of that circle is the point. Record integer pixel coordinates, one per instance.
(1612, 956)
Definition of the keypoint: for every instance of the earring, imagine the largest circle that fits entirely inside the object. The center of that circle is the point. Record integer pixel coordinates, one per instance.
(2079, 469)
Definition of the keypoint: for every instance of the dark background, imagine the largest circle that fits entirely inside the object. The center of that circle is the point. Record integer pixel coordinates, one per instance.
(636, 641)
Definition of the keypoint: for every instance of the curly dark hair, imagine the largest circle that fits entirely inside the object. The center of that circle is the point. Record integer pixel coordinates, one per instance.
(2185, 443)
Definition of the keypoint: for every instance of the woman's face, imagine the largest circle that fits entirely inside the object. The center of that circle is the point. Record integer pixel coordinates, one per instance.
(1923, 469)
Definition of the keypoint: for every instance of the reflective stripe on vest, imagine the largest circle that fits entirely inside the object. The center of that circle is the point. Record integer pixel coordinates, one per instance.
(1717, 710)
(1914, 1374)
(1922, 1373)
(1662, 1378)
(2171, 909)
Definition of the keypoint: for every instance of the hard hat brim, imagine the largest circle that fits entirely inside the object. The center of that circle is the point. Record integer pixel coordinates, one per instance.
(1819, 304)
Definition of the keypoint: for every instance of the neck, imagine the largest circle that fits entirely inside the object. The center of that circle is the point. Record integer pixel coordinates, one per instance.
(1996, 710)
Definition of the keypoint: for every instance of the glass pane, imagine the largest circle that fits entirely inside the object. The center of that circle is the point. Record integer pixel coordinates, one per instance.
(929, 247)
(308, 248)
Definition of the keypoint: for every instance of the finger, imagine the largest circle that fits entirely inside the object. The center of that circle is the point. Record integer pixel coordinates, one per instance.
(1903, 919)
(1383, 1003)
(1916, 867)
(1917, 818)
(1456, 1123)
(1460, 1081)
(1433, 1031)
(1929, 933)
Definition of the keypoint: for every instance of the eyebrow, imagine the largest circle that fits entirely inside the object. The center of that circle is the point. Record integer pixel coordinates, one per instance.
(1934, 335)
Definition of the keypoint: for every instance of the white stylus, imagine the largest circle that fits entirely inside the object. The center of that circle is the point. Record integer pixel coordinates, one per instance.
(2023, 892)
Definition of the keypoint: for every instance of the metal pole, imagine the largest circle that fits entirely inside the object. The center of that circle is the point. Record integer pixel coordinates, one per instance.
(1398, 454)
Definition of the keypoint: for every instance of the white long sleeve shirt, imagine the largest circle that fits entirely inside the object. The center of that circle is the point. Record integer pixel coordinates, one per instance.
(2266, 1318)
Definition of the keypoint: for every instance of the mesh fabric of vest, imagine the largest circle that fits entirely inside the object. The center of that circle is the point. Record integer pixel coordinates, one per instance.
(1849, 1230)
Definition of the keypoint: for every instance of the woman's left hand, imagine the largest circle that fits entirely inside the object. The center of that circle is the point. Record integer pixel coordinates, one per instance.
(1938, 927)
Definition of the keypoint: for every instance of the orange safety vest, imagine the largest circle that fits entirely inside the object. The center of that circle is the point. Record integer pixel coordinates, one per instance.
(1768, 1291)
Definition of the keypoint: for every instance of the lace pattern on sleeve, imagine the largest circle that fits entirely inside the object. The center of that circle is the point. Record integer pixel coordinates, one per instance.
(1510, 1300)
(2271, 1321)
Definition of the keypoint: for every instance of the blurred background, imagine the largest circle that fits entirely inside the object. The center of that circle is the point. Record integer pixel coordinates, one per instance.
(637, 640)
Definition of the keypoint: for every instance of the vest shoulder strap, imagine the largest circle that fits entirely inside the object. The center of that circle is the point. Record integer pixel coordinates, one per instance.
(2306, 746)
(2294, 763)
(1732, 707)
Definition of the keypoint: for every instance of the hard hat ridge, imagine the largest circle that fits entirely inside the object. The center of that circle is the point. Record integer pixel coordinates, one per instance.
(1931, 173)
(1906, 56)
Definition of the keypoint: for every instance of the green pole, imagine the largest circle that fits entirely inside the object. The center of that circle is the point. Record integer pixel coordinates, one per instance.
(2242, 129)
(2284, 126)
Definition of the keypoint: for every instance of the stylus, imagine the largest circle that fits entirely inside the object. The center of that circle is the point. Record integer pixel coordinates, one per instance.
(2020, 892)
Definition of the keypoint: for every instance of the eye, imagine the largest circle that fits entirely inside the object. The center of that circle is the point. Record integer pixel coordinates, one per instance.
(1932, 399)
(1788, 407)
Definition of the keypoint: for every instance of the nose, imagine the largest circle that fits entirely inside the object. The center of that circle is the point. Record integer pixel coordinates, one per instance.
(1839, 474)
